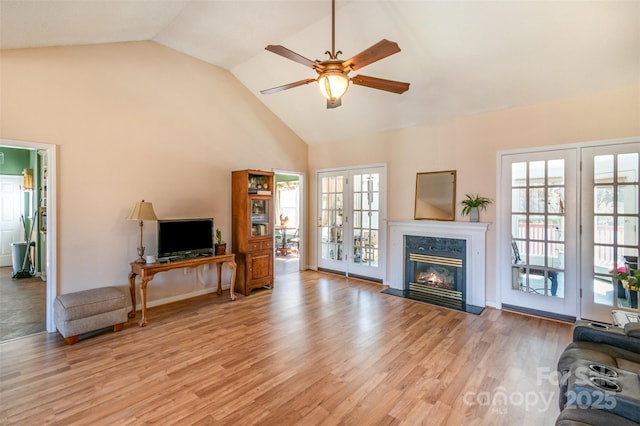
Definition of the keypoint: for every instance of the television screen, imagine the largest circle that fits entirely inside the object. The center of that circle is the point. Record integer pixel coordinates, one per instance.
(185, 237)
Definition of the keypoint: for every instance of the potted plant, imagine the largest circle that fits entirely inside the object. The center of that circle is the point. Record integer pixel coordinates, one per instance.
(221, 246)
(631, 282)
(472, 205)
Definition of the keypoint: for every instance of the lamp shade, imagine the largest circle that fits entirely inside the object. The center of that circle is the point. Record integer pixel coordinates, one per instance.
(142, 210)
(333, 84)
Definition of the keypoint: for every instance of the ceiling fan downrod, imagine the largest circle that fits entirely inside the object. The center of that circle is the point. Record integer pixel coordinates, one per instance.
(333, 54)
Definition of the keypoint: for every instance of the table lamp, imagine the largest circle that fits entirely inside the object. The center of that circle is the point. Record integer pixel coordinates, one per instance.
(142, 211)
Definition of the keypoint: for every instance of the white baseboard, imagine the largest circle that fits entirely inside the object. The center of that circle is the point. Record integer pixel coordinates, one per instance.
(493, 304)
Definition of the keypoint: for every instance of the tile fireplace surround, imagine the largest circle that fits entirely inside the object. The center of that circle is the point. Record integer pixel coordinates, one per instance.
(473, 233)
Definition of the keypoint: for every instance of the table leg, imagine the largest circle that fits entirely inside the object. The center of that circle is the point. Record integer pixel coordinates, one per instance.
(233, 266)
(219, 265)
(143, 300)
(132, 290)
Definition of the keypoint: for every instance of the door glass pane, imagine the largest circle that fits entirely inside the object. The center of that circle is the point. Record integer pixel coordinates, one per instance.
(555, 256)
(518, 174)
(538, 227)
(628, 230)
(357, 183)
(556, 228)
(603, 169)
(537, 200)
(518, 200)
(603, 199)
(603, 229)
(556, 172)
(556, 200)
(536, 173)
(519, 226)
(628, 199)
(628, 168)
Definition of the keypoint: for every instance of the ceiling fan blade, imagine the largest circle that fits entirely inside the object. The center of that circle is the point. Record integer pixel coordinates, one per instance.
(287, 86)
(290, 54)
(380, 84)
(334, 103)
(378, 51)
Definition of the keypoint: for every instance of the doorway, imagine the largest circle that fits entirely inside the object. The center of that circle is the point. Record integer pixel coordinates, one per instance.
(288, 242)
(45, 254)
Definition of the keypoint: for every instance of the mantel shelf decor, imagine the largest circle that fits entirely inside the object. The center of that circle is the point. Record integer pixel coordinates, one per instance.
(435, 195)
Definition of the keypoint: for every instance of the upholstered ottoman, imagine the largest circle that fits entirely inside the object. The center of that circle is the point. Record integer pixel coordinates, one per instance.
(90, 310)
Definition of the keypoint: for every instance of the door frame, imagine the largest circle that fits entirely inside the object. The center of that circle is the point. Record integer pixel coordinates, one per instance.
(302, 215)
(505, 274)
(51, 225)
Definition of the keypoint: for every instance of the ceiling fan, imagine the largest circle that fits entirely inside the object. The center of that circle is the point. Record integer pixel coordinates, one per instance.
(333, 73)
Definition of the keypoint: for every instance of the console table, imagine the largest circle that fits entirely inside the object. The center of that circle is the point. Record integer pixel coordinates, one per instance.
(147, 271)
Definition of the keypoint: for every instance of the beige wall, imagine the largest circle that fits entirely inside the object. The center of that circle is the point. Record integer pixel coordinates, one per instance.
(137, 121)
(469, 145)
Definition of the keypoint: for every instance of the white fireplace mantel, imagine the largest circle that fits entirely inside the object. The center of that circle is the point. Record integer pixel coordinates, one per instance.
(473, 233)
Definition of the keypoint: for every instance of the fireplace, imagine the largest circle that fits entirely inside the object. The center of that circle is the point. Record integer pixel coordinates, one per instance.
(438, 262)
(435, 270)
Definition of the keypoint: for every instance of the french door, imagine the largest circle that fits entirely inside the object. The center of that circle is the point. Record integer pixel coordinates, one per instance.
(541, 236)
(351, 221)
(610, 232)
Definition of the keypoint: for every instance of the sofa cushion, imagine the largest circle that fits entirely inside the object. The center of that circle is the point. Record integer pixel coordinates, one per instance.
(591, 417)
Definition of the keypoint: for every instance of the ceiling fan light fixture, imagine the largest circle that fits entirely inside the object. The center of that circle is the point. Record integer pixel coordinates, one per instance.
(333, 84)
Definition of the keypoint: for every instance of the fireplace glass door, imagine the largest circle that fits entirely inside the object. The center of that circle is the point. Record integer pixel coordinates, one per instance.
(351, 235)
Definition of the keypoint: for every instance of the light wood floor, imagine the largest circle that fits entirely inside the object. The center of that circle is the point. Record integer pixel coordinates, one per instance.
(318, 349)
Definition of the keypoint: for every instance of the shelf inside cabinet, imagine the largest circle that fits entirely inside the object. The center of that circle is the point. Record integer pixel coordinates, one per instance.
(259, 184)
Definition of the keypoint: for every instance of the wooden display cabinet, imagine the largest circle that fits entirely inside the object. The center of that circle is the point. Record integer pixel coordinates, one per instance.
(252, 228)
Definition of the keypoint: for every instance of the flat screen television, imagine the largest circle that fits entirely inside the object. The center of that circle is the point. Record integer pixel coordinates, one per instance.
(185, 237)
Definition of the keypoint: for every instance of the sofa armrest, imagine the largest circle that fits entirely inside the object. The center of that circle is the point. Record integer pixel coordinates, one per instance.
(586, 331)
(632, 329)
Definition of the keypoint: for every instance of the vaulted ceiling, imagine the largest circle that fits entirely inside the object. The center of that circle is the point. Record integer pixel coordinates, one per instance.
(461, 57)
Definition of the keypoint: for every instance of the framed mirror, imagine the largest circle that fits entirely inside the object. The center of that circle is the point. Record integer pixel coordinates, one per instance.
(436, 195)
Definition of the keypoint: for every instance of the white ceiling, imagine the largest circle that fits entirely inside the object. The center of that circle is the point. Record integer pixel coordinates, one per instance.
(461, 57)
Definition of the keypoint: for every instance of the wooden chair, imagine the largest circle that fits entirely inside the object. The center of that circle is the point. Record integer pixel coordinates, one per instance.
(294, 240)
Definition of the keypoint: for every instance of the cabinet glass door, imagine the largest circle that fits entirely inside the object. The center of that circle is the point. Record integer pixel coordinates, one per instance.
(260, 225)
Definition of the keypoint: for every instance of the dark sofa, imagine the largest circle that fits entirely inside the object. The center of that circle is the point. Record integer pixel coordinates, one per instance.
(600, 376)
